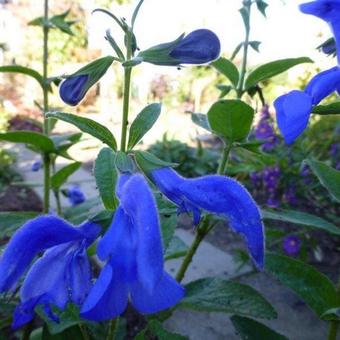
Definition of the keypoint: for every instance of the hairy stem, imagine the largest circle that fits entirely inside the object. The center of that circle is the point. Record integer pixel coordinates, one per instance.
(224, 159)
(113, 328)
(46, 199)
(126, 103)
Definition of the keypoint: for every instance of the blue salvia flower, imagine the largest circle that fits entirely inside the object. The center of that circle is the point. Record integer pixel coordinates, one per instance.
(75, 195)
(36, 166)
(329, 11)
(219, 195)
(133, 250)
(294, 108)
(198, 47)
(74, 88)
(60, 276)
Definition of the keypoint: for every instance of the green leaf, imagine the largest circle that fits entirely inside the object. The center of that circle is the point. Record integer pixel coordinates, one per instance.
(58, 21)
(328, 177)
(88, 126)
(148, 162)
(316, 289)
(103, 218)
(168, 226)
(231, 119)
(301, 218)
(261, 6)
(35, 139)
(177, 248)
(156, 328)
(106, 177)
(245, 16)
(330, 109)
(124, 162)
(218, 295)
(11, 221)
(143, 123)
(227, 68)
(61, 176)
(201, 120)
(24, 70)
(83, 211)
(225, 89)
(249, 329)
(236, 51)
(255, 45)
(272, 69)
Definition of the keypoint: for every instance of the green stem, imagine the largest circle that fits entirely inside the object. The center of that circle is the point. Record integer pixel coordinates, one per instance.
(334, 324)
(84, 332)
(126, 103)
(56, 192)
(224, 159)
(47, 167)
(243, 71)
(113, 328)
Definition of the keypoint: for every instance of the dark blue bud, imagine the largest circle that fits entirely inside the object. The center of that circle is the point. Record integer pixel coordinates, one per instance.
(36, 166)
(75, 195)
(73, 89)
(198, 47)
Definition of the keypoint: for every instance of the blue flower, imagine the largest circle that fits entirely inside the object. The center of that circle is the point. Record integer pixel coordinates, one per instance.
(133, 250)
(294, 108)
(198, 47)
(60, 276)
(75, 195)
(36, 166)
(327, 10)
(73, 89)
(219, 195)
(291, 245)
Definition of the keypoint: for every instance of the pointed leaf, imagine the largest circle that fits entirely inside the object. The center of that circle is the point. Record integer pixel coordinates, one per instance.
(61, 176)
(249, 329)
(328, 177)
(11, 221)
(227, 68)
(272, 69)
(143, 123)
(330, 109)
(201, 120)
(316, 289)
(147, 162)
(218, 295)
(231, 119)
(35, 139)
(301, 218)
(106, 177)
(87, 125)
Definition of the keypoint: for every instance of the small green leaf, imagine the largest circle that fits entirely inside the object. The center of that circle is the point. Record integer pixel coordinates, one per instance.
(236, 51)
(301, 218)
(83, 211)
(148, 162)
(124, 162)
(262, 6)
(246, 17)
(330, 109)
(255, 45)
(61, 176)
(11, 221)
(313, 287)
(87, 125)
(201, 120)
(272, 69)
(249, 329)
(218, 295)
(24, 70)
(106, 177)
(328, 177)
(177, 248)
(231, 119)
(168, 226)
(227, 68)
(103, 218)
(143, 123)
(225, 89)
(34, 139)
(158, 331)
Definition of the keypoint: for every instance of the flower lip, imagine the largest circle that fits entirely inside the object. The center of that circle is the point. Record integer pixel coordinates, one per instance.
(198, 47)
(73, 89)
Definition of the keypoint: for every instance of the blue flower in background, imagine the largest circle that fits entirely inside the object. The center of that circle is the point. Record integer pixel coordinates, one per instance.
(133, 250)
(327, 10)
(198, 47)
(75, 195)
(294, 108)
(73, 89)
(60, 276)
(219, 195)
(36, 166)
(291, 245)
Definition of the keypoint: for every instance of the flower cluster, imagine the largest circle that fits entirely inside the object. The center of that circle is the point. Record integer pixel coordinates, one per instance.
(294, 108)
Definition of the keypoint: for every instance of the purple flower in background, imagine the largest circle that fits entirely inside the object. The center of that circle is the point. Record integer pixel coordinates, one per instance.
(291, 245)
(265, 131)
(256, 179)
(290, 196)
(133, 250)
(334, 150)
(272, 202)
(75, 195)
(36, 166)
(271, 178)
(60, 276)
(218, 195)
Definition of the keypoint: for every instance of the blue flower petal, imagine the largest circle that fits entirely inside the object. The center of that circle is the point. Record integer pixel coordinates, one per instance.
(33, 237)
(292, 114)
(138, 203)
(167, 293)
(323, 84)
(73, 89)
(198, 47)
(108, 298)
(220, 195)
